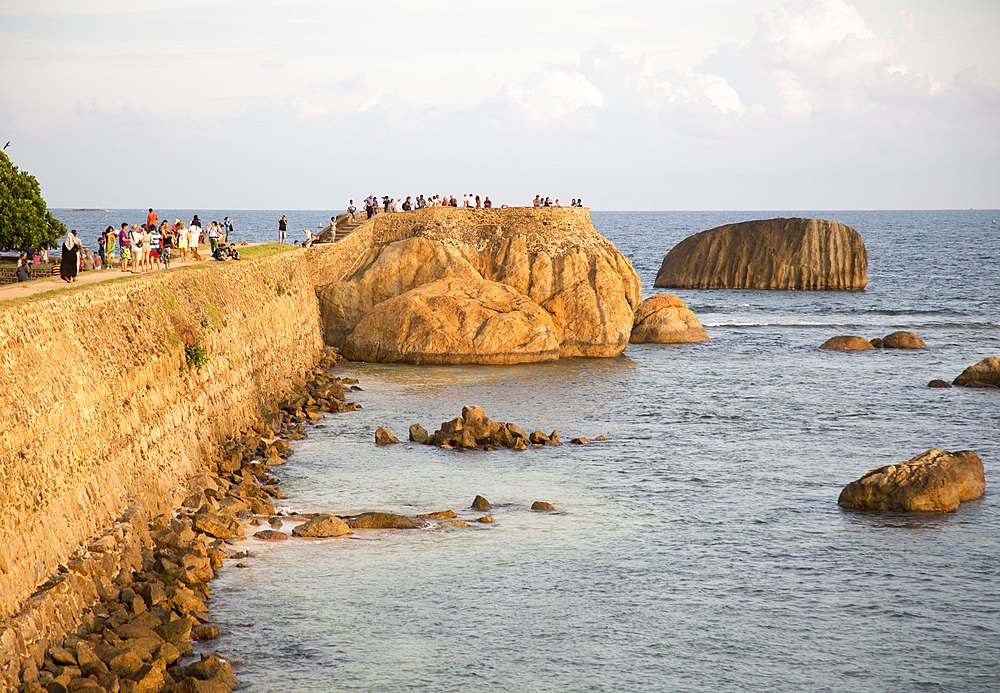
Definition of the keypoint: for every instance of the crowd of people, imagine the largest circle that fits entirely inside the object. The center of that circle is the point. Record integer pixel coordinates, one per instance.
(540, 201)
(137, 248)
(373, 205)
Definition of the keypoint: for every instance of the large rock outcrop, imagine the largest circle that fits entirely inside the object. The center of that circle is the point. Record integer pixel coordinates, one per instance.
(769, 254)
(666, 319)
(552, 257)
(934, 480)
(455, 321)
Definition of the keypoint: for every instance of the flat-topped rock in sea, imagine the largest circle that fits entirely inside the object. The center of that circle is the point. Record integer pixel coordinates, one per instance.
(935, 480)
(552, 257)
(666, 319)
(812, 254)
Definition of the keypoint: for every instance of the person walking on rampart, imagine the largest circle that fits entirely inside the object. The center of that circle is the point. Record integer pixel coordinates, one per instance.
(282, 227)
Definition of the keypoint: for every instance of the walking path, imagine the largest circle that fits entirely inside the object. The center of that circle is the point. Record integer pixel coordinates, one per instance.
(37, 286)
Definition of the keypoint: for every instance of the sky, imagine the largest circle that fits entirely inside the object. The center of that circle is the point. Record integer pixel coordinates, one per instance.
(631, 105)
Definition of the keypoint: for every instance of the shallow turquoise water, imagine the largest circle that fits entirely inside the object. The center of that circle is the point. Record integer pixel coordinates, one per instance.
(701, 547)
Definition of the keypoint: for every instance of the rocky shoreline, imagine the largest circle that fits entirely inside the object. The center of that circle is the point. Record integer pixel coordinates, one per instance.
(147, 579)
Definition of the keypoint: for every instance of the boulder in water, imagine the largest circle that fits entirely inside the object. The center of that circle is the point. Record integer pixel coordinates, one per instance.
(480, 503)
(385, 437)
(934, 480)
(902, 340)
(322, 526)
(847, 342)
(938, 383)
(769, 254)
(986, 371)
(375, 520)
(418, 434)
(666, 319)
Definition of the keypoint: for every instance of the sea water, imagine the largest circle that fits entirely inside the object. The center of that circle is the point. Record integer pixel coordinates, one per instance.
(700, 548)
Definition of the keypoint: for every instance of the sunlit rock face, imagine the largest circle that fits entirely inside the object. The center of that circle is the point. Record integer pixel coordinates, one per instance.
(553, 258)
(810, 254)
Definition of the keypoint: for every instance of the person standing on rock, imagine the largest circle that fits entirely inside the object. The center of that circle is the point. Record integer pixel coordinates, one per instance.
(351, 209)
(282, 227)
(152, 219)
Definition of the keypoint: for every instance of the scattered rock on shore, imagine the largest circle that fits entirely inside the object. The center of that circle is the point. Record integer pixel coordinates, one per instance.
(847, 342)
(542, 505)
(934, 480)
(938, 383)
(480, 503)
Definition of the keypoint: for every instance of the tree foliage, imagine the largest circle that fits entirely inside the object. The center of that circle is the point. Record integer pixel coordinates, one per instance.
(24, 218)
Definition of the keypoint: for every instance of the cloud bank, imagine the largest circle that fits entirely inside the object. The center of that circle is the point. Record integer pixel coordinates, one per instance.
(813, 110)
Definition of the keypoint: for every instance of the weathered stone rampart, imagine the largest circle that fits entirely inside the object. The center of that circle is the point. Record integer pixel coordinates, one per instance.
(101, 411)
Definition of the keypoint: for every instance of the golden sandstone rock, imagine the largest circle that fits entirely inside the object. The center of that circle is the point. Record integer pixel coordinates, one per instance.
(934, 480)
(986, 372)
(847, 342)
(551, 258)
(769, 254)
(666, 319)
(902, 340)
(455, 321)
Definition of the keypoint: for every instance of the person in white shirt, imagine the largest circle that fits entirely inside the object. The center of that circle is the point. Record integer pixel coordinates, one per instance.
(135, 238)
(194, 237)
(213, 235)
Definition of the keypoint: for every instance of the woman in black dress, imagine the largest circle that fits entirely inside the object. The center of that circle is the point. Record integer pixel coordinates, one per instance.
(70, 262)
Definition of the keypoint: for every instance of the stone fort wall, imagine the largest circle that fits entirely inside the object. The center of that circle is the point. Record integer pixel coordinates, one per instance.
(101, 412)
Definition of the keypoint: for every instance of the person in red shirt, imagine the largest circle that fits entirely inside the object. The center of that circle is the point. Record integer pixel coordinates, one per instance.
(151, 219)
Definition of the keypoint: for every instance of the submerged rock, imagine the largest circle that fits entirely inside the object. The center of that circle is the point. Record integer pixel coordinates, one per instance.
(769, 254)
(934, 480)
(848, 343)
(542, 505)
(666, 319)
(938, 383)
